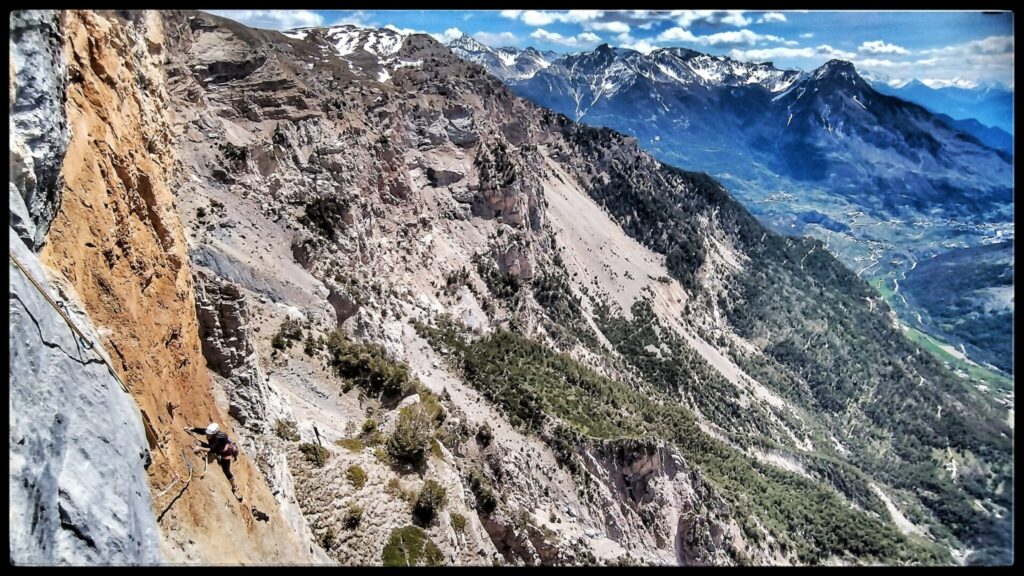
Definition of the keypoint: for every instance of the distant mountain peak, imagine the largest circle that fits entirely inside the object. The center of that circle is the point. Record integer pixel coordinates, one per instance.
(836, 68)
(507, 63)
(468, 43)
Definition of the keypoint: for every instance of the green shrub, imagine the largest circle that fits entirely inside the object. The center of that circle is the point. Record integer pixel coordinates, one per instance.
(327, 539)
(486, 502)
(431, 500)
(314, 454)
(369, 426)
(394, 488)
(357, 476)
(484, 435)
(351, 444)
(410, 546)
(431, 404)
(502, 284)
(409, 442)
(312, 345)
(286, 430)
(353, 515)
(278, 342)
(368, 366)
(323, 213)
(458, 522)
(290, 331)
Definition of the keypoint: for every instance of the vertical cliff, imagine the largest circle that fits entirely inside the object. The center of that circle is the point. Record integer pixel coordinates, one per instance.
(38, 125)
(117, 242)
(78, 452)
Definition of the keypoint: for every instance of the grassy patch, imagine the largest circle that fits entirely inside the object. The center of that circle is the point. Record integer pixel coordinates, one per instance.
(974, 372)
(351, 444)
(356, 476)
(314, 454)
(458, 522)
(410, 546)
(286, 430)
(353, 516)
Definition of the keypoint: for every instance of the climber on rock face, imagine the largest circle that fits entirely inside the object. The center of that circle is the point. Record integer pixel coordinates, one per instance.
(218, 443)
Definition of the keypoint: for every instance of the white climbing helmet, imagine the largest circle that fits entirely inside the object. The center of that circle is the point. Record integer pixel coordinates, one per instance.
(212, 429)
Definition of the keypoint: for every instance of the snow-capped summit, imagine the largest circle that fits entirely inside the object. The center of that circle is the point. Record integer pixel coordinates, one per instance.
(836, 70)
(508, 63)
(467, 43)
(380, 42)
(368, 51)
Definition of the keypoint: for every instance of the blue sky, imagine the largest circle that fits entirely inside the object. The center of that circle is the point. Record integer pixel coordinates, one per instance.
(940, 47)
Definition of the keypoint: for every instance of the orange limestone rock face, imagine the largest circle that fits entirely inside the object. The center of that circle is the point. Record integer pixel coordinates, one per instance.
(119, 243)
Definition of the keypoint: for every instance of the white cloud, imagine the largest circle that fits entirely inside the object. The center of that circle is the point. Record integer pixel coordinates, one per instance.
(745, 37)
(498, 40)
(583, 15)
(357, 18)
(881, 47)
(772, 17)
(583, 39)
(762, 54)
(831, 52)
(273, 19)
(945, 83)
(511, 14)
(979, 62)
(990, 45)
(613, 26)
(687, 17)
(405, 31)
(736, 18)
(538, 18)
(543, 17)
(448, 35)
(874, 63)
(676, 34)
(642, 46)
(807, 35)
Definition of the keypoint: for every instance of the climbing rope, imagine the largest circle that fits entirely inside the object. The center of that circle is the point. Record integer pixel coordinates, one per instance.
(164, 491)
(176, 477)
(61, 309)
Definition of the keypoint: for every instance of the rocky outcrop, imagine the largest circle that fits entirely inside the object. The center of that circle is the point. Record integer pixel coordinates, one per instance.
(227, 343)
(38, 123)
(344, 305)
(78, 452)
(666, 498)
